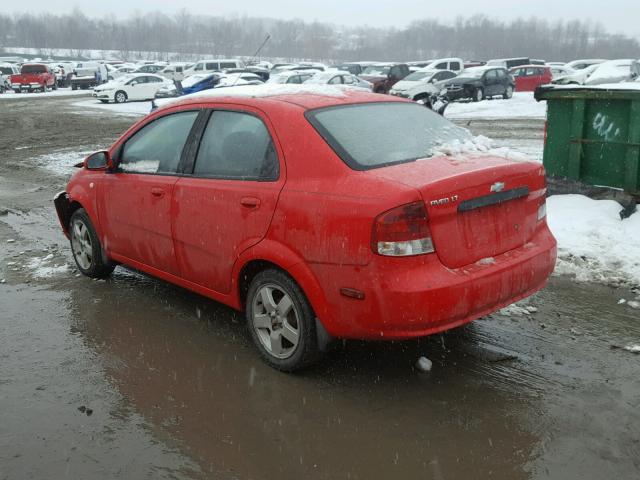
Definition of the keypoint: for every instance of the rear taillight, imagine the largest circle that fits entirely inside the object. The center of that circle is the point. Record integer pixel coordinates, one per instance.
(542, 210)
(402, 232)
(546, 129)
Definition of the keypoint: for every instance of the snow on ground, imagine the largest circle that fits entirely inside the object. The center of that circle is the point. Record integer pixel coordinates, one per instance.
(46, 267)
(133, 109)
(61, 92)
(594, 244)
(62, 162)
(522, 105)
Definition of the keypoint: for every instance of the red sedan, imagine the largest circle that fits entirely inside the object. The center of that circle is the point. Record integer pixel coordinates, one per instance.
(322, 215)
(530, 77)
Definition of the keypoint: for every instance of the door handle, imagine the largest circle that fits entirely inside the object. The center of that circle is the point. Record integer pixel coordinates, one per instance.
(250, 202)
(157, 192)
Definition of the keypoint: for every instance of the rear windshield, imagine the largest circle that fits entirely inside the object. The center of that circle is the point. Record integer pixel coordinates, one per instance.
(373, 135)
(33, 69)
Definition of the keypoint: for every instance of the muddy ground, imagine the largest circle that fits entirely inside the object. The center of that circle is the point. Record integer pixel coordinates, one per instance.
(134, 378)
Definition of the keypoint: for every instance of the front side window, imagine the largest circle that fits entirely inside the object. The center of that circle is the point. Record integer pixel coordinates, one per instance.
(157, 147)
(335, 81)
(372, 135)
(442, 66)
(236, 145)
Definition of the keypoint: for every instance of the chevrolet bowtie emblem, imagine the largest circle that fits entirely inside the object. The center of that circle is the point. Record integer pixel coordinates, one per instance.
(497, 187)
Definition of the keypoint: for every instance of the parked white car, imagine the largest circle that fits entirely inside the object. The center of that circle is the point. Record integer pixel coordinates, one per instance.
(576, 78)
(6, 70)
(584, 63)
(237, 79)
(338, 77)
(121, 70)
(420, 85)
(209, 66)
(614, 71)
(558, 71)
(130, 88)
(292, 76)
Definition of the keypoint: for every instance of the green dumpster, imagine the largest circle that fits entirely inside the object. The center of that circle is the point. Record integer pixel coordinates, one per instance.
(593, 136)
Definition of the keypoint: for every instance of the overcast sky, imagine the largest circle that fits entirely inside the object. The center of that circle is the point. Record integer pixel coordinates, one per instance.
(618, 16)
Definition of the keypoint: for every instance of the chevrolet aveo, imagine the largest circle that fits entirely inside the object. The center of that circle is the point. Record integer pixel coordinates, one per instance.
(320, 214)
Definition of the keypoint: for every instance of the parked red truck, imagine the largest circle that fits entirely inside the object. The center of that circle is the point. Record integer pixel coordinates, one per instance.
(32, 77)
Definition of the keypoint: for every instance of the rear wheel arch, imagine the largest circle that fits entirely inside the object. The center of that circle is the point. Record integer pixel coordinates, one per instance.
(302, 276)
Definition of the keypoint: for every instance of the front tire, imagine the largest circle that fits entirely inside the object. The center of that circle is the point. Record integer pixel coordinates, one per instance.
(478, 95)
(281, 321)
(120, 97)
(86, 248)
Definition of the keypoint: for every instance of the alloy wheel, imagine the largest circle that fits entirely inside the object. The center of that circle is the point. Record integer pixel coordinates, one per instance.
(81, 244)
(276, 321)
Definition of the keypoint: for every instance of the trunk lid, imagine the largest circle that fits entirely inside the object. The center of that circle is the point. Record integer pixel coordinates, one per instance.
(478, 207)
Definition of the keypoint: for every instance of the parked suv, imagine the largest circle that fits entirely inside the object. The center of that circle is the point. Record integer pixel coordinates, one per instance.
(383, 76)
(319, 215)
(478, 83)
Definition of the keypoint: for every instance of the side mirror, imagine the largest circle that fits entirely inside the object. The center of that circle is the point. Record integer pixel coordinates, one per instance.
(134, 83)
(98, 161)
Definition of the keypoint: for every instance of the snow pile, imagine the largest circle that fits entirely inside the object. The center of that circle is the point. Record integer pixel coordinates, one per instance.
(594, 244)
(61, 92)
(133, 109)
(45, 268)
(477, 146)
(522, 105)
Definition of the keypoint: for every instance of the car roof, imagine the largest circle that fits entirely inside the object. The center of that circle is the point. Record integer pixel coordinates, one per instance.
(304, 96)
(532, 65)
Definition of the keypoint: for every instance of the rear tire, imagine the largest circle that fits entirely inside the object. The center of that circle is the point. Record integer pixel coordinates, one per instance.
(120, 97)
(281, 321)
(86, 248)
(508, 93)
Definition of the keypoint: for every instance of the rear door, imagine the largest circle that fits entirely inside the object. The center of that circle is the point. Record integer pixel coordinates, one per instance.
(135, 200)
(227, 202)
(492, 86)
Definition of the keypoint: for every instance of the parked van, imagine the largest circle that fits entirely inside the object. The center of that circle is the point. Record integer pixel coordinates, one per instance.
(510, 62)
(208, 66)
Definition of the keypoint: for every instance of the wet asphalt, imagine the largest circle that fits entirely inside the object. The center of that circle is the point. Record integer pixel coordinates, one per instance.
(135, 378)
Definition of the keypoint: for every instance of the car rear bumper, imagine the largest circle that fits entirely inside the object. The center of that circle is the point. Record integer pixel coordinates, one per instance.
(418, 296)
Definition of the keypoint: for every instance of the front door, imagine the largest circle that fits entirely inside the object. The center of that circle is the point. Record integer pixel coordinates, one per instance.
(135, 200)
(226, 205)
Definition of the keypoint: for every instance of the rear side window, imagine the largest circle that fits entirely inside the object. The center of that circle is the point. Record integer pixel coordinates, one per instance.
(211, 66)
(236, 145)
(224, 65)
(34, 69)
(157, 147)
(372, 135)
(454, 66)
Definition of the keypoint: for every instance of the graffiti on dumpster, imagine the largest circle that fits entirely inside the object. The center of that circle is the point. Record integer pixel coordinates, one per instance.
(604, 127)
